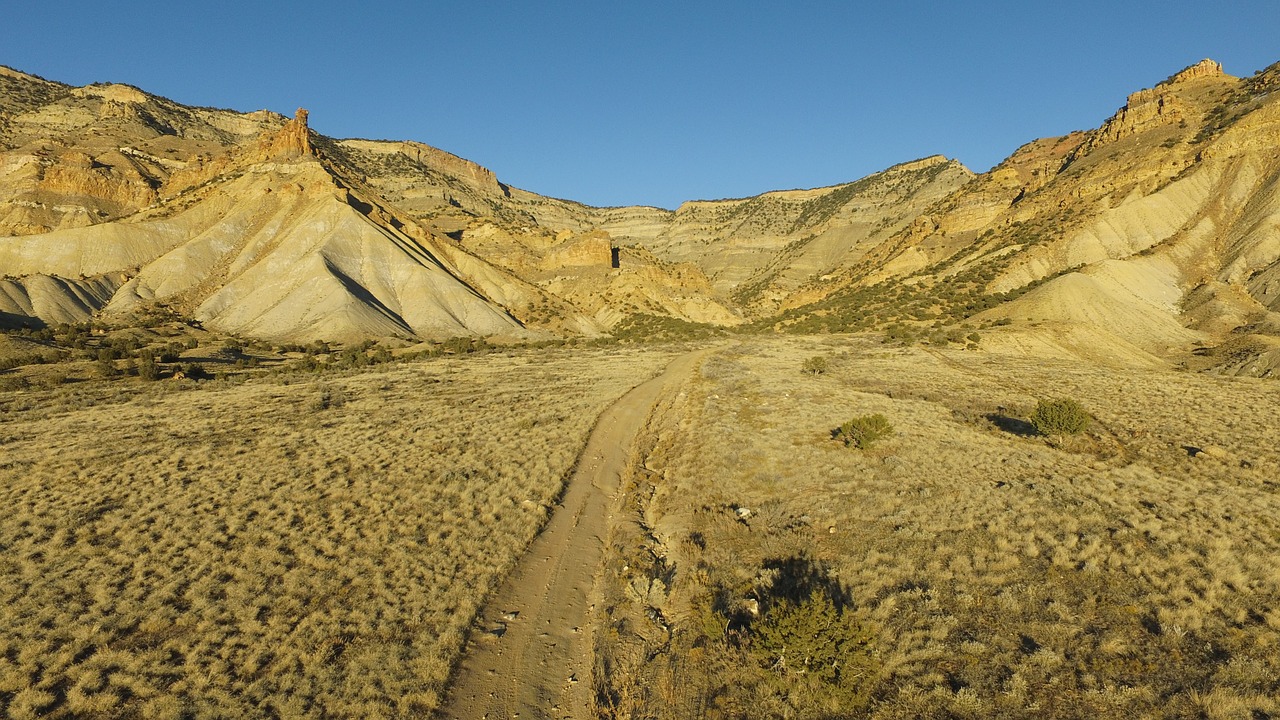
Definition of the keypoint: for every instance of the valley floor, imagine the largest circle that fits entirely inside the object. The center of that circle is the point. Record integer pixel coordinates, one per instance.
(294, 546)
(964, 567)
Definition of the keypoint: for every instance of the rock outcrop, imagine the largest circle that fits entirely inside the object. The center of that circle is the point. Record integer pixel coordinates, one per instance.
(594, 249)
(1204, 68)
(1151, 108)
(291, 142)
(1156, 230)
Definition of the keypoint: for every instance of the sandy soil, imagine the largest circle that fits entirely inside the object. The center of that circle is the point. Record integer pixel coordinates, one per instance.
(532, 655)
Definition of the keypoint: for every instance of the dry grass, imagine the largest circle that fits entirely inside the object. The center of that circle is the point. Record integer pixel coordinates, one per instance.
(1004, 574)
(281, 547)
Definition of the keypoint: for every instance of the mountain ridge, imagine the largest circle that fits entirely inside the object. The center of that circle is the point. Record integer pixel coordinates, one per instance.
(1029, 242)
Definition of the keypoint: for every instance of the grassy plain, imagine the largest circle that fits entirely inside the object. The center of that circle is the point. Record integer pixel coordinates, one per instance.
(287, 546)
(303, 545)
(983, 571)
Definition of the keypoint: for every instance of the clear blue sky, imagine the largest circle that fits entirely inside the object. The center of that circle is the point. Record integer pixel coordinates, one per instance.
(614, 103)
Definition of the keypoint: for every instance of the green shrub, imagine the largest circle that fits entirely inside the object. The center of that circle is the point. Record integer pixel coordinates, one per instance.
(1063, 416)
(13, 382)
(815, 365)
(328, 397)
(820, 653)
(195, 371)
(148, 369)
(864, 431)
(107, 368)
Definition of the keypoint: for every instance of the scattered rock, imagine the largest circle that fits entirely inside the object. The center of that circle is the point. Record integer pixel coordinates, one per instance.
(1211, 452)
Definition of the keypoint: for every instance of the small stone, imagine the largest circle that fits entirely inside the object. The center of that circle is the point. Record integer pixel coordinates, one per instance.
(1213, 452)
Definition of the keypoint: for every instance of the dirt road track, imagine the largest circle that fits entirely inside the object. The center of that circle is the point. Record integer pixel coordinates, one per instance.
(533, 656)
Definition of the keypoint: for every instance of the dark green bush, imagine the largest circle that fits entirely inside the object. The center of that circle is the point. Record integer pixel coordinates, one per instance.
(815, 365)
(13, 382)
(1063, 416)
(824, 648)
(195, 371)
(148, 369)
(864, 431)
(107, 367)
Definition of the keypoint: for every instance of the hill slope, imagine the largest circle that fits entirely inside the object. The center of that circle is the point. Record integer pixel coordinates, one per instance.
(1150, 236)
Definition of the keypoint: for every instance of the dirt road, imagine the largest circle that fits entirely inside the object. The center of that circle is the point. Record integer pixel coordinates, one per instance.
(533, 656)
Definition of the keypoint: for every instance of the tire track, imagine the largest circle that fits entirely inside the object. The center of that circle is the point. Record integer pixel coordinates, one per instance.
(532, 655)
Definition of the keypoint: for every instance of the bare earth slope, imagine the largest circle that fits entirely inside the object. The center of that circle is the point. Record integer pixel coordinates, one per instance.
(1154, 234)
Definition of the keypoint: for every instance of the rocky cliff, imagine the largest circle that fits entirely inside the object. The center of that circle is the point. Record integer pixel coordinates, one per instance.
(1155, 231)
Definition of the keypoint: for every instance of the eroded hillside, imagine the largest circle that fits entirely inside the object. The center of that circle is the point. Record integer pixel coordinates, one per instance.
(1151, 237)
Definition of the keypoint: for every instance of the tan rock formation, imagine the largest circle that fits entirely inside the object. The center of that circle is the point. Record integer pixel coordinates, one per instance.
(124, 94)
(1153, 231)
(75, 173)
(591, 250)
(1151, 108)
(1204, 68)
(291, 142)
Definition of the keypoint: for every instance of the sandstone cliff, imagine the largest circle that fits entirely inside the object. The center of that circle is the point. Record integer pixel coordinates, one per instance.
(1154, 233)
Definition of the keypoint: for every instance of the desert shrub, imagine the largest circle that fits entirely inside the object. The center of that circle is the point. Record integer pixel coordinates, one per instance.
(328, 397)
(148, 368)
(170, 353)
(464, 345)
(107, 368)
(864, 431)
(13, 382)
(815, 365)
(1063, 416)
(793, 645)
(195, 371)
(899, 333)
(819, 653)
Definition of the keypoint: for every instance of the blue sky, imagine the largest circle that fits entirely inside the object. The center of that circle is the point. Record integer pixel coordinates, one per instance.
(615, 103)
